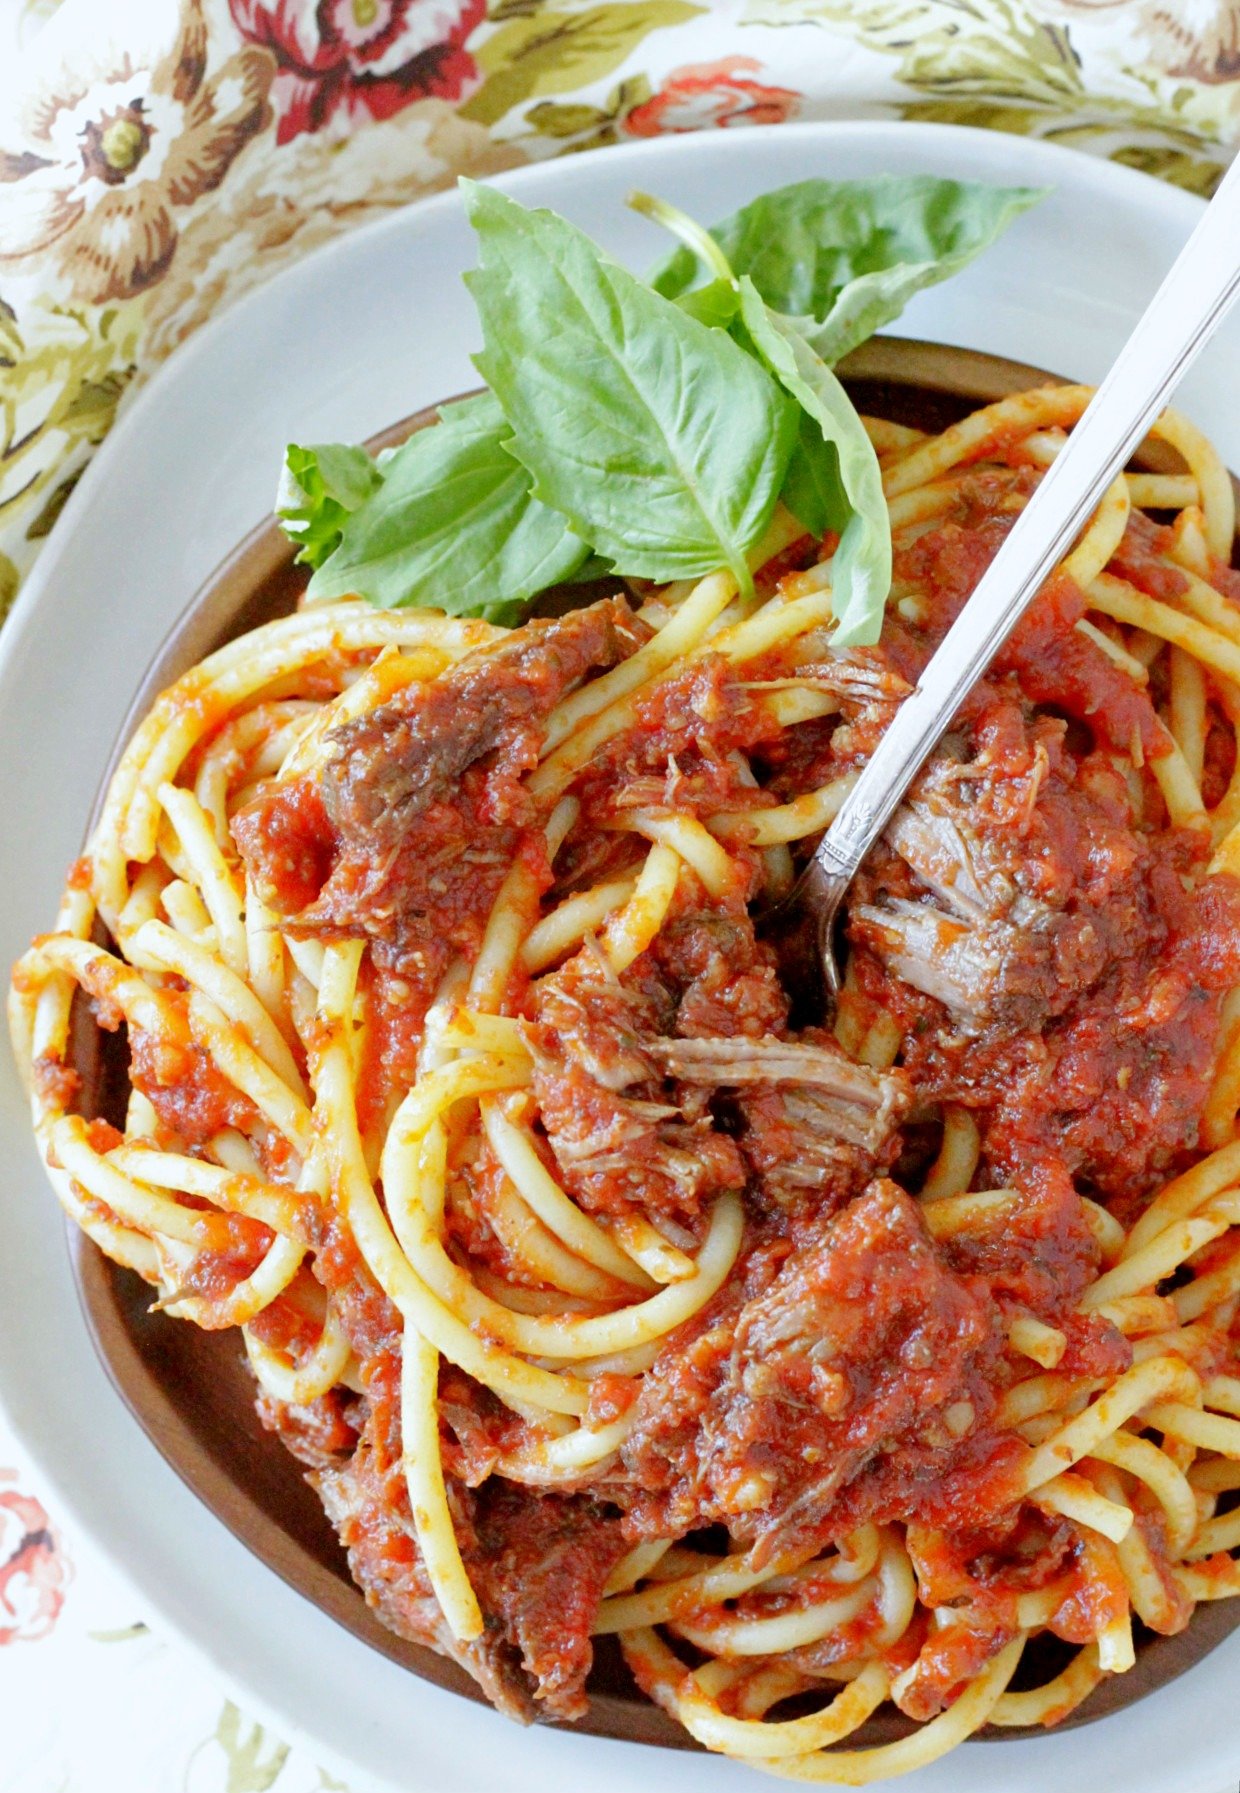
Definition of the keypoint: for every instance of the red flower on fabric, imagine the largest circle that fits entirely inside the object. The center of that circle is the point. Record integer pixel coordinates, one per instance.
(359, 59)
(34, 1570)
(712, 93)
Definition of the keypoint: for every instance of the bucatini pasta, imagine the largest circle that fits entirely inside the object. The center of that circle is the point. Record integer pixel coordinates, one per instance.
(601, 1292)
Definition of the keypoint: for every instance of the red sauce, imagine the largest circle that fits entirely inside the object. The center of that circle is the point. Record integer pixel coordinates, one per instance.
(1225, 579)
(611, 1397)
(1057, 665)
(851, 1367)
(793, 559)
(477, 1427)
(102, 1137)
(179, 1078)
(418, 904)
(1054, 663)
(372, 1323)
(1220, 760)
(56, 1084)
(284, 835)
(1105, 1076)
(284, 1325)
(856, 1382)
(677, 752)
(947, 1660)
(215, 1273)
(394, 1011)
(1138, 559)
(319, 1434)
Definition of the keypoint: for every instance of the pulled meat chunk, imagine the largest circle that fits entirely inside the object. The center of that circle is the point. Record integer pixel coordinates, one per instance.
(809, 1119)
(370, 1512)
(856, 1380)
(319, 1432)
(391, 764)
(721, 979)
(621, 1144)
(971, 905)
(540, 1561)
(1052, 965)
(537, 1563)
(406, 836)
(639, 1117)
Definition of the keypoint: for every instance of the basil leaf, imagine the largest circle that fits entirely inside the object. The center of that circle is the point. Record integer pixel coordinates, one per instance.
(813, 486)
(453, 525)
(845, 257)
(319, 488)
(844, 470)
(661, 441)
(714, 304)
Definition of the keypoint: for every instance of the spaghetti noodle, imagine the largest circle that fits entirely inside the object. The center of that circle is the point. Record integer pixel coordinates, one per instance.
(598, 1297)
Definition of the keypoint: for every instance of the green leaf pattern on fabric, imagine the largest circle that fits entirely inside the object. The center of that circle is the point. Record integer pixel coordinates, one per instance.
(550, 52)
(63, 373)
(255, 1759)
(579, 126)
(1005, 65)
(9, 582)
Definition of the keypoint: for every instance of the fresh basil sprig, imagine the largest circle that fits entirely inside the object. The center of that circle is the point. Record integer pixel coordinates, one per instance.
(845, 257)
(452, 523)
(623, 429)
(661, 441)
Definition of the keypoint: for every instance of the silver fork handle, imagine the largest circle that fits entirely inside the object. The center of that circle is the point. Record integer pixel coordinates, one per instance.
(1176, 325)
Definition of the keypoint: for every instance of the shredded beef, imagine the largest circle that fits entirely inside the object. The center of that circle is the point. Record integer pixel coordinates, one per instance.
(369, 1508)
(318, 1433)
(643, 1118)
(420, 812)
(853, 1383)
(620, 1139)
(724, 980)
(537, 1563)
(1051, 963)
(392, 763)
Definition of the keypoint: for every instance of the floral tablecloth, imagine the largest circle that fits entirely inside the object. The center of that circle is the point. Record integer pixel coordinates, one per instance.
(158, 157)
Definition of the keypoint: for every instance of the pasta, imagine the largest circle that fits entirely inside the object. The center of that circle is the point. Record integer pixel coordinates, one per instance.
(597, 1297)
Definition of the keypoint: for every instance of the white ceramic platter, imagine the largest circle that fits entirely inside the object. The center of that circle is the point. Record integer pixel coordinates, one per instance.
(358, 335)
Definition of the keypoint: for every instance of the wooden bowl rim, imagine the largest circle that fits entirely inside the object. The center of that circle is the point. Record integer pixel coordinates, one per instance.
(261, 563)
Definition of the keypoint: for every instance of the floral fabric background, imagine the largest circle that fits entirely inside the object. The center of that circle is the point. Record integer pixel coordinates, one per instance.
(159, 157)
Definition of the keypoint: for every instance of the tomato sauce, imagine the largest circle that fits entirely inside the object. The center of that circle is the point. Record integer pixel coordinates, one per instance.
(851, 1368)
(215, 1273)
(285, 836)
(178, 1076)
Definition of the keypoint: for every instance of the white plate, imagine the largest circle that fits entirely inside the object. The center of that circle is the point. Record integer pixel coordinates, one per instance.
(362, 332)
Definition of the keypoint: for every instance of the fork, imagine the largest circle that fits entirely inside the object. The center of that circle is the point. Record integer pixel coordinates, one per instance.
(1180, 319)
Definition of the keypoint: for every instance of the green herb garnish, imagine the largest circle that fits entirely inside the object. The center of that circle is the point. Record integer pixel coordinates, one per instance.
(453, 524)
(320, 489)
(845, 257)
(649, 428)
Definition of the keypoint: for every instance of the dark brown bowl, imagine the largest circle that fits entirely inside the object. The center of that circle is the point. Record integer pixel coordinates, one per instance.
(192, 1392)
